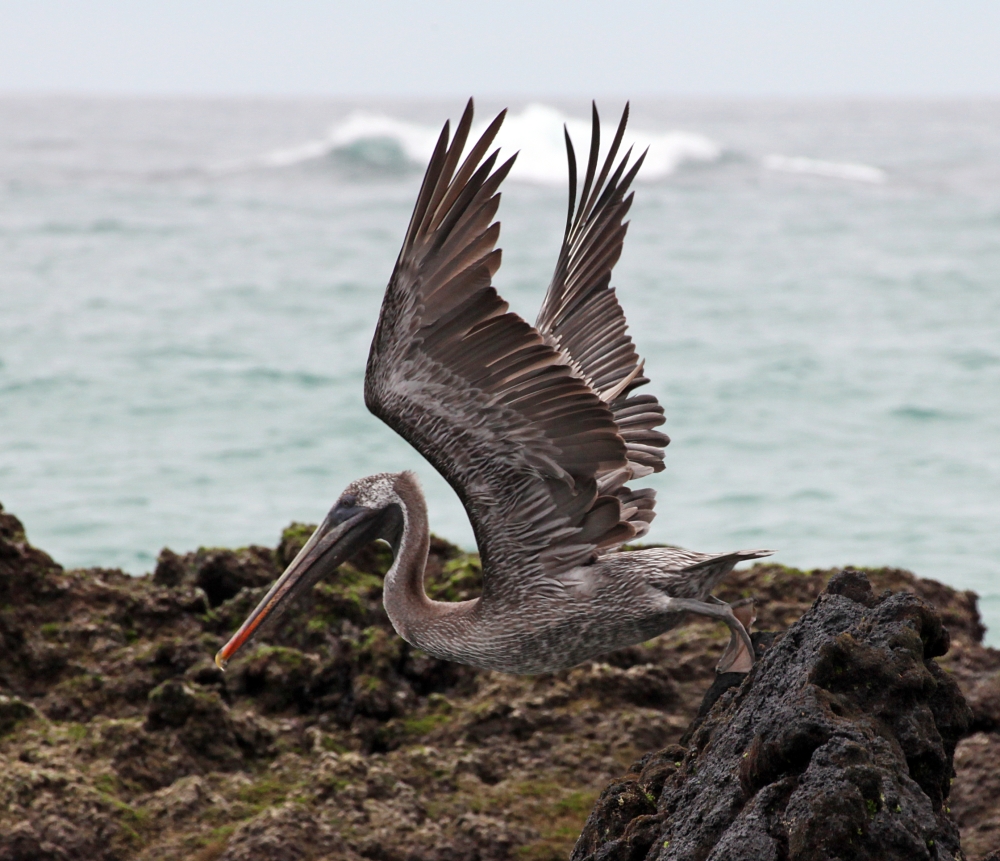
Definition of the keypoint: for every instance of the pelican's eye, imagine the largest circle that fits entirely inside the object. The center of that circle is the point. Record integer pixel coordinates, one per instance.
(346, 508)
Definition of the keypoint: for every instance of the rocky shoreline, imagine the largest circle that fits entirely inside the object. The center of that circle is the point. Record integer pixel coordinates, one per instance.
(120, 739)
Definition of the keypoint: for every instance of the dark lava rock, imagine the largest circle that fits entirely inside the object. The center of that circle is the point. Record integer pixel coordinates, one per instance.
(288, 833)
(220, 573)
(12, 711)
(223, 573)
(839, 744)
(975, 794)
(24, 570)
(171, 568)
(278, 677)
(625, 815)
(120, 740)
(170, 705)
(647, 685)
(762, 641)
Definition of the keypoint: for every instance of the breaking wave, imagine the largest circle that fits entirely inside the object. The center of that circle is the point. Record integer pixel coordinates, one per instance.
(383, 143)
(852, 171)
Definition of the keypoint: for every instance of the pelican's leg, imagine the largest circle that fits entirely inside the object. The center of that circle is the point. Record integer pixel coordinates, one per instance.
(738, 657)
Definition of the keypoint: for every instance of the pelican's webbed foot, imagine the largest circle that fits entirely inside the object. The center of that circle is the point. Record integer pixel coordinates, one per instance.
(739, 654)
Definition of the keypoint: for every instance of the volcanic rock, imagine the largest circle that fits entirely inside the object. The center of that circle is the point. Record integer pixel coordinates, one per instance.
(838, 744)
(333, 739)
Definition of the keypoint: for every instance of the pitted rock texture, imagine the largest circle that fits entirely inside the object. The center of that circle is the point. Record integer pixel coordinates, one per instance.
(839, 744)
(332, 739)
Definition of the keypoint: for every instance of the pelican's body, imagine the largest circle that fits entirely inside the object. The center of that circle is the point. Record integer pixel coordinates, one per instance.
(536, 428)
(590, 610)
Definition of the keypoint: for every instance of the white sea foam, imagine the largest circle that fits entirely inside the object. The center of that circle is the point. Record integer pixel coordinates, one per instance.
(852, 171)
(182, 359)
(536, 133)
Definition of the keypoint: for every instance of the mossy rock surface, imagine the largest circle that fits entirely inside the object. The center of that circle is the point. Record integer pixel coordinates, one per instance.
(333, 738)
(13, 710)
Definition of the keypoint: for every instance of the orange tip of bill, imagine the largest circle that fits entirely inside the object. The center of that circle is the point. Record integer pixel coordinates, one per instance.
(220, 660)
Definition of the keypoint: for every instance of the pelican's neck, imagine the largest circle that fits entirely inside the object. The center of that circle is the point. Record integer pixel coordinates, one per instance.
(405, 600)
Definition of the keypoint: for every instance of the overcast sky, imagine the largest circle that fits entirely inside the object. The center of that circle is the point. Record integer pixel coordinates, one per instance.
(514, 47)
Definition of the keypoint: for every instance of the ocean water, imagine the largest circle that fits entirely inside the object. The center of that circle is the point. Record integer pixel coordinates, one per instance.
(188, 289)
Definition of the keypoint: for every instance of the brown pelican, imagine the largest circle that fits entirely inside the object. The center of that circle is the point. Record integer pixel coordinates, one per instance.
(535, 427)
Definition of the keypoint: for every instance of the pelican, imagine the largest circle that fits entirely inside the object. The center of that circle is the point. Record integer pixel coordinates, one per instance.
(537, 428)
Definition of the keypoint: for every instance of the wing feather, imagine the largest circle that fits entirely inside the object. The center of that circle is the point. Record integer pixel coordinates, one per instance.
(480, 393)
(582, 319)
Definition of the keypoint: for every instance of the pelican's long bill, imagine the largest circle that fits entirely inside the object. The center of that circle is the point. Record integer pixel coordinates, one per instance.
(333, 542)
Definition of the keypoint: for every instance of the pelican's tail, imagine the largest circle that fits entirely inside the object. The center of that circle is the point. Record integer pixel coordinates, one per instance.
(743, 555)
(725, 561)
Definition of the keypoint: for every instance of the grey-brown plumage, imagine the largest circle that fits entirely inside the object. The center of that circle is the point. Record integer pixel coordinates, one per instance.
(537, 428)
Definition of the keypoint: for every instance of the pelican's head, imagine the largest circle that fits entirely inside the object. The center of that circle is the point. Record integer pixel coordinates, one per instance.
(368, 509)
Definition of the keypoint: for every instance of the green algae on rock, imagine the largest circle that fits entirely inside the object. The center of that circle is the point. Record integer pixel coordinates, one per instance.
(334, 739)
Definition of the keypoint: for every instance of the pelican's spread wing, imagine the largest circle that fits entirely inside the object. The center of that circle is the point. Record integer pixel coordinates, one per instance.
(581, 318)
(517, 432)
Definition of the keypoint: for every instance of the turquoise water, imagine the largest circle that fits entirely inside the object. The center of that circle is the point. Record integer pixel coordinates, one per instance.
(188, 289)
